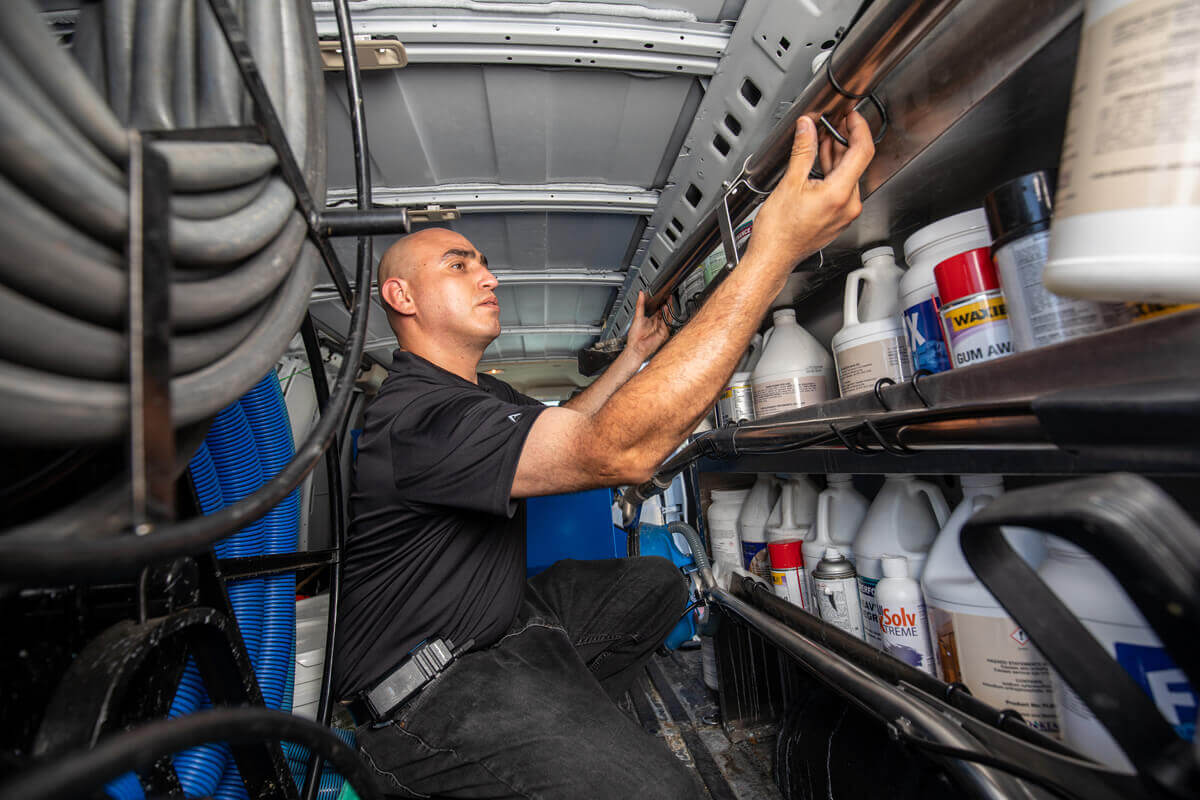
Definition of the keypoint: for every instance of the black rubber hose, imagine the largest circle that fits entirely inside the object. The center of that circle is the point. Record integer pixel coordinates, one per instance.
(83, 774)
(215, 204)
(29, 558)
(184, 90)
(153, 79)
(120, 18)
(88, 280)
(194, 166)
(42, 338)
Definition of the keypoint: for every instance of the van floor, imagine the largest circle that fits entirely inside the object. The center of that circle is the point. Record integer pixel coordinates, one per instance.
(671, 701)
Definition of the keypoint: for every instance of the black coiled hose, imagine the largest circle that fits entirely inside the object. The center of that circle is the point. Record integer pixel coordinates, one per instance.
(243, 269)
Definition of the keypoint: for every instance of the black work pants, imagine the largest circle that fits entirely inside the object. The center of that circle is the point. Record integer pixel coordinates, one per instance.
(534, 716)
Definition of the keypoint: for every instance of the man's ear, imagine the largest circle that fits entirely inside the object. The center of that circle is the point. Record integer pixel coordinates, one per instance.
(396, 293)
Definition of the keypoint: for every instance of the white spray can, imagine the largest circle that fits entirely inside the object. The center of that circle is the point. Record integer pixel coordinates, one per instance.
(837, 593)
(903, 622)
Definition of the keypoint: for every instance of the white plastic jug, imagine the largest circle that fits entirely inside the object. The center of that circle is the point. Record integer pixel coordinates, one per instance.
(840, 512)
(793, 371)
(868, 348)
(879, 281)
(790, 522)
(1095, 597)
(903, 520)
(723, 538)
(975, 642)
(752, 524)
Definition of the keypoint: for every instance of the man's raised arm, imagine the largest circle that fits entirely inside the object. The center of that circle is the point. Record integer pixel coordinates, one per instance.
(625, 439)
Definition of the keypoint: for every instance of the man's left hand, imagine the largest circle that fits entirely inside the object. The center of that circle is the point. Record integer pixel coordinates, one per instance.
(646, 334)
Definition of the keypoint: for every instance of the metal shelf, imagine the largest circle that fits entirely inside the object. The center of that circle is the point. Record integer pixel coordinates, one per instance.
(1164, 351)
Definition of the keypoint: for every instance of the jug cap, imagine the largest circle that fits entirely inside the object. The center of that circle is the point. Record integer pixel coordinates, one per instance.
(838, 477)
(877, 252)
(781, 314)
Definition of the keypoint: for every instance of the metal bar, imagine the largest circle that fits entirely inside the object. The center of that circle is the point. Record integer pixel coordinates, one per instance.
(886, 33)
(876, 698)
(592, 58)
(517, 277)
(372, 222)
(496, 198)
(272, 128)
(702, 39)
(152, 439)
(362, 175)
(257, 566)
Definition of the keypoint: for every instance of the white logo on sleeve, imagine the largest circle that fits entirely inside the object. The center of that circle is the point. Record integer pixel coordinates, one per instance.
(514, 417)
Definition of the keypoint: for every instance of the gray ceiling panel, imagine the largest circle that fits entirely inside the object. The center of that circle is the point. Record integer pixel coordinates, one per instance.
(541, 240)
(536, 347)
(444, 123)
(547, 304)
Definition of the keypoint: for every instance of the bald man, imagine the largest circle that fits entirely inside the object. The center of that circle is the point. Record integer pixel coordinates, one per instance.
(465, 679)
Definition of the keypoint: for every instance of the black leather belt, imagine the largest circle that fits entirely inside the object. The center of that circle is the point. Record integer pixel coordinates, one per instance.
(423, 663)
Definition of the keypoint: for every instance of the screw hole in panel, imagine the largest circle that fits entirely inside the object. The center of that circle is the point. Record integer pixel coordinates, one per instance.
(751, 92)
(693, 195)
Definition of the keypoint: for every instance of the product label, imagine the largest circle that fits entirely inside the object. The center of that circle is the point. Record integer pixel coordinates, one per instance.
(859, 367)
(736, 404)
(774, 397)
(1134, 124)
(905, 634)
(837, 603)
(994, 658)
(1145, 311)
(1036, 316)
(756, 560)
(977, 328)
(866, 595)
(726, 547)
(786, 583)
(926, 342)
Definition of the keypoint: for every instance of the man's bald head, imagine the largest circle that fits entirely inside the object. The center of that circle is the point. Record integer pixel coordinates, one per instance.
(402, 258)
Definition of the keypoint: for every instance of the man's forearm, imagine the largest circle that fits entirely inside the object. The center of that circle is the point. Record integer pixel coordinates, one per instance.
(596, 395)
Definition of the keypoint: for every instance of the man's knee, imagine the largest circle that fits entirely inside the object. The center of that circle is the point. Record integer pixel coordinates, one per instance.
(665, 581)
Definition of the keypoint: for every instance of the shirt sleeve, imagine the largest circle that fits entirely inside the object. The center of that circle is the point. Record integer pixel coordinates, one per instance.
(458, 447)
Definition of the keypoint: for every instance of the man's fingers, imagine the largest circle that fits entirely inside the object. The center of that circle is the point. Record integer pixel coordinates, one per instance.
(804, 150)
(854, 161)
(826, 155)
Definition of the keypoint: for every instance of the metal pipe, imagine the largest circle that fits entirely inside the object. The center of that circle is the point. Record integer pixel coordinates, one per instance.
(873, 46)
(877, 699)
(371, 222)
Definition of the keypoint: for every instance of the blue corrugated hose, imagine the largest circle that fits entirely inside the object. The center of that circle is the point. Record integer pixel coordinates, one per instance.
(249, 443)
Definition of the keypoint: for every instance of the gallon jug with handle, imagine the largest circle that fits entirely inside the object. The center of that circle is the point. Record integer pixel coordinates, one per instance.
(752, 524)
(1095, 597)
(793, 371)
(975, 642)
(903, 520)
(785, 536)
(869, 348)
(840, 512)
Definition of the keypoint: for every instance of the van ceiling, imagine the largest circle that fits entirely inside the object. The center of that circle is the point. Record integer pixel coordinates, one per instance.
(553, 134)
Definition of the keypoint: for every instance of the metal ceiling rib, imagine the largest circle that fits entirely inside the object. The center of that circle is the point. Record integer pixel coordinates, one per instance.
(503, 198)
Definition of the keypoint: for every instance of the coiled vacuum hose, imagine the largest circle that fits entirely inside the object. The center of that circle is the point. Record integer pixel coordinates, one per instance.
(249, 443)
(243, 270)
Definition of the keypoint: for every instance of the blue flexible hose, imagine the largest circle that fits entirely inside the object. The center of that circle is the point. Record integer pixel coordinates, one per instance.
(249, 443)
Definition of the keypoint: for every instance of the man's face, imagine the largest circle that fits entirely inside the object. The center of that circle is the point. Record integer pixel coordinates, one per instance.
(452, 289)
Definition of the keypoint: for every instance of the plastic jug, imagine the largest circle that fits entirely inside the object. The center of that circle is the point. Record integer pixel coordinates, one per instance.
(1095, 597)
(840, 512)
(723, 538)
(869, 348)
(879, 281)
(793, 371)
(975, 642)
(752, 524)
(789, 524)
(903, 520)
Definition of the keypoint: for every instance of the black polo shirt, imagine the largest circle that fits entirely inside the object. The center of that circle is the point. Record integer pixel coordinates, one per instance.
(436, 547)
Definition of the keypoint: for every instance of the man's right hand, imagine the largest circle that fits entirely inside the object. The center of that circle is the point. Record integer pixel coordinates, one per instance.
(803, 215)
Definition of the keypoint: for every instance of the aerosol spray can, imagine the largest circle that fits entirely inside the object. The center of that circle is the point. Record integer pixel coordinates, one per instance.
(837, 593)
